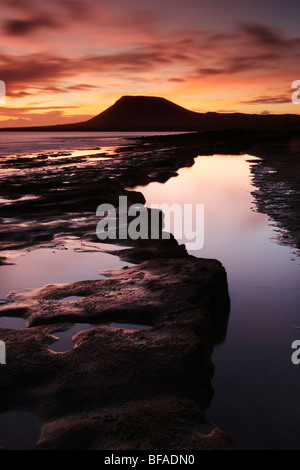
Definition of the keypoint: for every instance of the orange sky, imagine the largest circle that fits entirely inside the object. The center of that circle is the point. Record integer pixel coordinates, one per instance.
(67, 60)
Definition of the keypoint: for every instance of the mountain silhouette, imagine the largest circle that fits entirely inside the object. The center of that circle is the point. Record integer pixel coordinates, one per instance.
(151, 113)
(145, 112)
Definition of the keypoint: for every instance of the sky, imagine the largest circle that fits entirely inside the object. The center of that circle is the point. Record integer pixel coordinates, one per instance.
(68, 60)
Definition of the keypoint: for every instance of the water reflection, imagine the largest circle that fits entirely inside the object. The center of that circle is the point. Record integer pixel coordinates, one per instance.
(42, 266)
(255, 383)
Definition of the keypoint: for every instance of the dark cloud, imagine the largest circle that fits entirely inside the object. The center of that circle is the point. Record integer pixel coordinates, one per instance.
(40, 118)
(47, 72)
(248, 48)
(143, 59)
(33, 69)
(81, 87)
(251, 62)
(48, 90)
(181, 57)
(45, 89)
(17, 94)
(24, 110)
(264, 35)
(176, 80)
(20, 27)
(268, 100)
(33, 15)
(210, 71)
(238, 64)
(197, 54)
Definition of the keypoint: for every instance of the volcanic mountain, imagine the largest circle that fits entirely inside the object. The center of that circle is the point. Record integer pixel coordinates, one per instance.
(149, 113)
(144, 112)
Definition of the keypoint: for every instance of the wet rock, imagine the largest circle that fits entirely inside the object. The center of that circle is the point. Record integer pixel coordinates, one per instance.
(116, 384)
(123, 389)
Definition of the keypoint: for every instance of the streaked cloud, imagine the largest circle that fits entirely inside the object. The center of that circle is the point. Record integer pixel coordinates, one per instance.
(269, 100)
(89, 53)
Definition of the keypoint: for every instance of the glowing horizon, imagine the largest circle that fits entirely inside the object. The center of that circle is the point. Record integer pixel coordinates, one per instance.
(69, 60)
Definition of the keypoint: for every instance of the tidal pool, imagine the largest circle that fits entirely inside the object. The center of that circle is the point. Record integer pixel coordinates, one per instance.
(64, 338)
(37, 267)
(256, 385)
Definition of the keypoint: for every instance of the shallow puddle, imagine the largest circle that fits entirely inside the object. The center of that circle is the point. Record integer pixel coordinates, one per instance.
(130, 326)
(71, 298)
(42, 266)
(15, 323)
(65, 342)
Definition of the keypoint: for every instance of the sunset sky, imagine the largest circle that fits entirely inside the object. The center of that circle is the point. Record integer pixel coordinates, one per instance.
(68, 60)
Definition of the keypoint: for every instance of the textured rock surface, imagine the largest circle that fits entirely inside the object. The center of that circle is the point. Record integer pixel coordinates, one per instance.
(123, 389)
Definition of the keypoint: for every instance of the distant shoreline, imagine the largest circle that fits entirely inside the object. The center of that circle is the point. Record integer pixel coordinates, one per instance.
(153, 114)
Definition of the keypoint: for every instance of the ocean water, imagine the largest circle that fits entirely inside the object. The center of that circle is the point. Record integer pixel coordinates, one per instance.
(22, 143)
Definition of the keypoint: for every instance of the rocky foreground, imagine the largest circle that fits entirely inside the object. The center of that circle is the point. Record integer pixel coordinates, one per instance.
(122, 389)
(118, 389)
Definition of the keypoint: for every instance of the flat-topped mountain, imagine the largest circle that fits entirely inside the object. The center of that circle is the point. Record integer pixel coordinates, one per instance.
(145, 112)
(150, 113)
